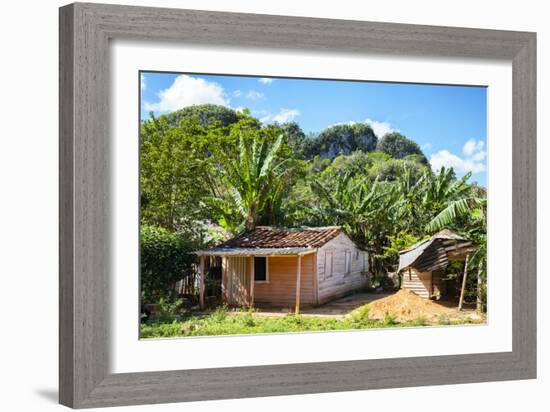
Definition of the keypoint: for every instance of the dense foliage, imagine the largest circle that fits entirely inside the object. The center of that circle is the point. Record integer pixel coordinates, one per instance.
(164, 260)
(398, 146)
(210, 166)
(342, 139)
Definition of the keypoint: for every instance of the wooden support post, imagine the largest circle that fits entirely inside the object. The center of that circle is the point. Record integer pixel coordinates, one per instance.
(251, 281)
(298, 282)
(315, 279)
(224, 278)
(201, 285)
(479, 301)
(461, 300)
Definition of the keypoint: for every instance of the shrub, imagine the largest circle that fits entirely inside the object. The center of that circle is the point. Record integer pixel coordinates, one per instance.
(168, 311)
(360, 316)
(219, 314)
(164, 260)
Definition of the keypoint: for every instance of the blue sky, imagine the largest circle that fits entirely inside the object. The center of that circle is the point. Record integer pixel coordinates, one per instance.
(448, 122)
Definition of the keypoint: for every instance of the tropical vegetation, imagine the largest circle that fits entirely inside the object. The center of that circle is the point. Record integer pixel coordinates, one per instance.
(209, 172)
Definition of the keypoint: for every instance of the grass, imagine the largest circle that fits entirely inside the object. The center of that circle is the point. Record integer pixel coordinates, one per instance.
(221, 322)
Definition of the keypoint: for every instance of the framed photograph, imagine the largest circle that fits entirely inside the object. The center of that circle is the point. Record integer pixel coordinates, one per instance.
(256, 205)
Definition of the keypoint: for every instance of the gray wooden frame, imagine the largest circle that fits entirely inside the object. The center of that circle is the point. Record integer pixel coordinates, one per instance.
(85, 31)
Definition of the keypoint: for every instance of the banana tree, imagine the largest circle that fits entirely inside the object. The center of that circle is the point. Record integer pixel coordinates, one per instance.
(474, 210)
(251, 180)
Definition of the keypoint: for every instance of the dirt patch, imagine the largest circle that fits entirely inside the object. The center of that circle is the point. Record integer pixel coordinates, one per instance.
(407, 306)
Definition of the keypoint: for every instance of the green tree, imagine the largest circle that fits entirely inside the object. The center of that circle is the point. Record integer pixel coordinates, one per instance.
(341, 139)
(294, 137)
(172, 170)
(253, 179)
(398, 146)
(206, 115)
(364, 209)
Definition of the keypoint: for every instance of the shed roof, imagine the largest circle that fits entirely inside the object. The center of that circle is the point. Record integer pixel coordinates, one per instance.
(436, 252)
(266, 240)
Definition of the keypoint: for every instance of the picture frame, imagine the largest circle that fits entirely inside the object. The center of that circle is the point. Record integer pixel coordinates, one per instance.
(85, 33)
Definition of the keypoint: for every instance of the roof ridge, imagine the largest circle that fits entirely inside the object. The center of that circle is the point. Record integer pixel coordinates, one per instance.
(301, 228)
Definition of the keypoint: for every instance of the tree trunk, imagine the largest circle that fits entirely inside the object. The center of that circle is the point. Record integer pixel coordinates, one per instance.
(251, 220)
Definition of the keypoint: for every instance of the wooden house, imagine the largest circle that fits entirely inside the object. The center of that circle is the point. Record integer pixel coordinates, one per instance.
(423, 264)
(287, 267)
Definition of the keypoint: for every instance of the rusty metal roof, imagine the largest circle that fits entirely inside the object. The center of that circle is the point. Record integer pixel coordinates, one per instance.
(277, 240)
(258, 251)
(436, 252)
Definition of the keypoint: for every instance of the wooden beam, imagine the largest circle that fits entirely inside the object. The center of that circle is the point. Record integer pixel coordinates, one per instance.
(202, 285)
(298, 282)
(461, 300)
(224, 278)
(252, 281)
(315, 279)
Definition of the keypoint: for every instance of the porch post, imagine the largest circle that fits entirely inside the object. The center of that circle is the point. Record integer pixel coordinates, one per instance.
(224, 278)
(201, 284)
(298, 281)
(251, 281)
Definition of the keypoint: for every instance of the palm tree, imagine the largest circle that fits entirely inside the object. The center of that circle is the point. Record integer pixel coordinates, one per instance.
(357, 205)
(252, 180)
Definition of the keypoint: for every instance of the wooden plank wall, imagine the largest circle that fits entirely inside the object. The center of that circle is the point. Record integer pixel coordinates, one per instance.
(237, 280)
(418, 282)
(280, 290)
(340, 282)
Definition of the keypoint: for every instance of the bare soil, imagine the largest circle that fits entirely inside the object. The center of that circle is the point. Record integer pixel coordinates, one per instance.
(406, 306)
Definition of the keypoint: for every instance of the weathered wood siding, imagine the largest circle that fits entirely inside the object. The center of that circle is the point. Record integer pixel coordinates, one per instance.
(418, 282)
(340, 268)
(425, 284)
(236, 280)
(280, 289)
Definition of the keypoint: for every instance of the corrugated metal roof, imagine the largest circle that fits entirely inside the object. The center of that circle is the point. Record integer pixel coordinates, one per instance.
(254, 251)
(269, 237)
(433, 253)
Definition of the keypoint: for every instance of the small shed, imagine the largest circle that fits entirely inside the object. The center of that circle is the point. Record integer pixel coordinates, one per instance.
(283, 267)
(423, 264)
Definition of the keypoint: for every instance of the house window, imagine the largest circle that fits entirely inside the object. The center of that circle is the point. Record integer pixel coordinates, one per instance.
(356, 255)
(328, 264)
(347, 268)
(260, 269)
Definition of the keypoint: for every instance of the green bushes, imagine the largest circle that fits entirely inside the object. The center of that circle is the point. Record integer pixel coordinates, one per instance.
(168, 311)
(165, 259)
(360, 317)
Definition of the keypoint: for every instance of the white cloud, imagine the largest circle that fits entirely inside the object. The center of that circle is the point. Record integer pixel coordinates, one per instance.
(143, 85)
(237, 93)
(254, 95)
(284, 115)
(380, 128)
(473, 160)
(265, 80)
(188, 91)
(426, 146)
(472, 148)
